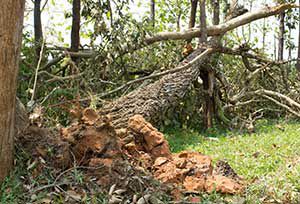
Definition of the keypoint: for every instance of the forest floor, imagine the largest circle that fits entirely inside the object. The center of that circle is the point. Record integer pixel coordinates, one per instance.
(268, 159)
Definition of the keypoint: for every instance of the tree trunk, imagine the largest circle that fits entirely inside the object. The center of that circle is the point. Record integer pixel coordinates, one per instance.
(281, 36)
(152, 12)
(38, 30)
(281, 48)
(298, 61)
(203, 26)
(153, 100)
(75, 33)
(206, 74)
(192, 21)
(11, 22)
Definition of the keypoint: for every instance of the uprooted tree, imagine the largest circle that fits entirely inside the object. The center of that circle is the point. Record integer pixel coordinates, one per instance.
(154, 99)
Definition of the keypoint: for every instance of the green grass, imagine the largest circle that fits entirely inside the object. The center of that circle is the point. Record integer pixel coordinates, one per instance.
(269, 159)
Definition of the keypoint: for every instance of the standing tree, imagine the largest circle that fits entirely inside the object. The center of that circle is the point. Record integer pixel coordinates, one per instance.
(11, 23)
(192, 21)
(298, 61)
(281, 47)
(38, 30)
(75, 33)
(281, 36)
(152, 12)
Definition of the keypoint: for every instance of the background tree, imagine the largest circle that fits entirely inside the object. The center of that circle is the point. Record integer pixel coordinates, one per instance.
(194, 4)
(11, 22)
(75, 33)
(38, 29)
(298, 55)
(152, 12)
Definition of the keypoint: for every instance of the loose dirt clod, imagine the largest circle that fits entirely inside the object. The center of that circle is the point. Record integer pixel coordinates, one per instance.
(131, 159)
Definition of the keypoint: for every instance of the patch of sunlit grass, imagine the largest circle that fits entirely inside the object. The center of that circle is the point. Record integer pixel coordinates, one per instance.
(269, 159)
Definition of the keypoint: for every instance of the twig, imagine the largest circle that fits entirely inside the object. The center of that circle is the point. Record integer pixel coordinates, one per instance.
(37, 70)
(61, 174)
(58, 78)
(282, 105)
(49, 186)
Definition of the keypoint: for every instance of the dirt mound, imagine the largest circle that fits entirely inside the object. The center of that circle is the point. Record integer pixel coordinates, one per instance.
(131, 159)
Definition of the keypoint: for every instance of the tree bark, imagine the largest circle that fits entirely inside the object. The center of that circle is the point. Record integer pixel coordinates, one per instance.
(75, 33)
(11, 22)
(281, 36)
(298, 61)
(153, 100)
(281, 48)
(38, 30)
(205, 74)
(203, 25)
(192, 21)
(152, 12)
(222, 28)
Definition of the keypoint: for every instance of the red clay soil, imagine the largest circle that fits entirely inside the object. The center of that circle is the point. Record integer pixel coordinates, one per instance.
(95, 141)
(139, 149)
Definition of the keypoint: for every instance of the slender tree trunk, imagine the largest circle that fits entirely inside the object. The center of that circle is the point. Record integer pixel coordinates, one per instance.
(281, 49)
(11, 23)
(203, 25)
(298, 61)
(281, 37)
(275, 47)
(111, 13)
(75, 33)
(216, 11)
(152, 12)
(193, 12)
(264, 35)
(38, 30)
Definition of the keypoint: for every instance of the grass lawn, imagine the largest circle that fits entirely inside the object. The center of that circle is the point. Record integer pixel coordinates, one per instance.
(269, 159)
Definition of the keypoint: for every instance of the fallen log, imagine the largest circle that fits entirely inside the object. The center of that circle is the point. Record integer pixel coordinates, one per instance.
(152, 100)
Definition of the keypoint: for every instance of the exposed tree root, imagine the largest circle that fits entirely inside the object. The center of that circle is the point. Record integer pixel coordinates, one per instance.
(127, 160)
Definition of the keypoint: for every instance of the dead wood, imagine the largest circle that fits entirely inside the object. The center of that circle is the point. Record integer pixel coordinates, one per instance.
(154, 99)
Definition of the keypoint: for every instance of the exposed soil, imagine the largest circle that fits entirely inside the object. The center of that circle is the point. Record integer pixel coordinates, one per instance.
(129, 160)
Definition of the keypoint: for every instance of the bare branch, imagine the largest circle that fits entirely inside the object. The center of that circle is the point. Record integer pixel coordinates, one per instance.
(221, 28)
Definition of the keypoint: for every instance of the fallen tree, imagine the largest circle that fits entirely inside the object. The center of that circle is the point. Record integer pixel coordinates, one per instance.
(154, 99)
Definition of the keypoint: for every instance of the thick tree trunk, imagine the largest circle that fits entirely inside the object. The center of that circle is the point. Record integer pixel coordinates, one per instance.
(11, 23)
(75, 33)
(154, 99)
(38, 30)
